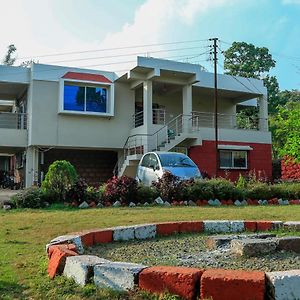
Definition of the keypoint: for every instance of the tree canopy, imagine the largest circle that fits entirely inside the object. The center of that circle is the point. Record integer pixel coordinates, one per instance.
(9, 59)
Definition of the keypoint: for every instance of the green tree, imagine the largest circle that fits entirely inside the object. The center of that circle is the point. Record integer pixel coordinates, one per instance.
(285, 127)
(249, 61)
(59, 179)
(9, 60)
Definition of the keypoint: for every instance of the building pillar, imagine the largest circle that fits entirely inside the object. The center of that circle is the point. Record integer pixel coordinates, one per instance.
(187, 107)
(32, 166)
(263, 113)
(147, 112)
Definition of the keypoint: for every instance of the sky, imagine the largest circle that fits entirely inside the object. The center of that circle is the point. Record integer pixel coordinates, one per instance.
(108, 35)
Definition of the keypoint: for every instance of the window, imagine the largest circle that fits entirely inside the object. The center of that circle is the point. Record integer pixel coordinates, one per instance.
(233, 159)
(81, 98)
(149, 161)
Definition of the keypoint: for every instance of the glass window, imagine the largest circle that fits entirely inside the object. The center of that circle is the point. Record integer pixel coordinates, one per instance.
(74, 97)
(175, 160)
(96, 99)
(153, 163)
(233, 159)
(84, 98)
(145, 161)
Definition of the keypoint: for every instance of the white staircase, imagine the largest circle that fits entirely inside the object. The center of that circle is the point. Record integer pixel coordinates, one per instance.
(179, 131)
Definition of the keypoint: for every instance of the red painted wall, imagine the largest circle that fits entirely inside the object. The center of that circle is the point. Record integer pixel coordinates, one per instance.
(259, 159)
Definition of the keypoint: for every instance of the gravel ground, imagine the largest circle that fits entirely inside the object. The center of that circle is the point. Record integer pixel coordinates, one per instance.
(190, 250)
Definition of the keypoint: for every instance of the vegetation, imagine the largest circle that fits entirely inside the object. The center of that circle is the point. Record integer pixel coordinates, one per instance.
(24, 233)
(9, 59)
(32, 197)
(59, 179)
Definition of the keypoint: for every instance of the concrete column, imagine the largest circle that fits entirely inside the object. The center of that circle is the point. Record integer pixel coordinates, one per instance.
(187, 107)
(147, 105)
(263, 113)
(32, 166)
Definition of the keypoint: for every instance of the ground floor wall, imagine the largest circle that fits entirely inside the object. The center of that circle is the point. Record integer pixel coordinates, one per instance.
(259, 159)
(94, 166)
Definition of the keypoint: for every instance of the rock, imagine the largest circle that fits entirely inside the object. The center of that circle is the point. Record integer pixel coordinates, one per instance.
(253, 247)
(123, 233)
(147, 231)
(7, 207)
(265, 202)
(283, 284)
(166, 203)
(217, 226)
(68, 239)
(237, 203)
(100, 205)
(159, 201)
(293, 225)
(289, 243)
(244, 202)
(117, 204)
(214, 202)
(146, 204)
(131, 204)
(84, 204)
(191, 203)
(81, 267)
(214, 242)
(119, 276)
(260, 202)
(186, 203)
(46, 204)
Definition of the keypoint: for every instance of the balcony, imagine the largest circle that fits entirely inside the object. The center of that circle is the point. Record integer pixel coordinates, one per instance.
(158, 115)
(13, 129)
(10, 120)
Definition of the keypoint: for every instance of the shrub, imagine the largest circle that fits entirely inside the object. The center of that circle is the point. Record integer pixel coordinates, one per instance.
(77, 192)
(32, 197)
(170, 187)
(258, 190)
(146, 194)
(222, 188)
(59, 179)
(122, 188)
(200, 189)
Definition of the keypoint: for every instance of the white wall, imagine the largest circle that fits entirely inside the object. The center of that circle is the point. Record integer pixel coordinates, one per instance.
(48, 128)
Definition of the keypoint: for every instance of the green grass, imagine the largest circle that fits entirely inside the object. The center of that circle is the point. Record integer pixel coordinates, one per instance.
(24, 233)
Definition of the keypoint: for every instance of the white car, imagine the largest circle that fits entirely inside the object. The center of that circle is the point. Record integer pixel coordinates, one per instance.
(153, 165)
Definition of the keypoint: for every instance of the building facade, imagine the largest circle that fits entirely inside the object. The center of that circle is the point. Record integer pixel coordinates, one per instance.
(103, 123)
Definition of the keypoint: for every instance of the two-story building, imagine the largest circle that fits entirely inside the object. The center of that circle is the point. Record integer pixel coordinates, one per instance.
(103, 123)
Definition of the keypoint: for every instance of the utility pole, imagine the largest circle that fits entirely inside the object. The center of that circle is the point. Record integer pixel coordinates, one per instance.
(215, 59)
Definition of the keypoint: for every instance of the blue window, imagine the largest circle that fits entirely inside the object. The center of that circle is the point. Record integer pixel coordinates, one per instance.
(85, 98)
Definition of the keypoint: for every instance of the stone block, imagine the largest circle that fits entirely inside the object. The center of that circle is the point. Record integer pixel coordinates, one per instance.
(81, 268)
(147, 231)
(180, 281)
(123, 233)
(119, 276)
(220, 284)
(214, 242)
(277, 225)
(84, 204)
(237, 226)
(253, 247)
(289, 243)
(283, 285)
(57, 260)
(293, 226)
(67, 239)
(159, 201)
(191, 226)
(217, 226)
(250, 225)
(264, 225)
(167, 228)
(103, 236)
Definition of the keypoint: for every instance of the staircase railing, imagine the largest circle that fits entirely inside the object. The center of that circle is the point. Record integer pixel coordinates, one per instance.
(142, 143)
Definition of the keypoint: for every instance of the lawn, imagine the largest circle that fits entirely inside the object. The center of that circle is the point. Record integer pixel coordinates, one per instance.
(24, 233)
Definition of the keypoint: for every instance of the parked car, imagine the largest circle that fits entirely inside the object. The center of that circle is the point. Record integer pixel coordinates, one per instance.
(153, 165)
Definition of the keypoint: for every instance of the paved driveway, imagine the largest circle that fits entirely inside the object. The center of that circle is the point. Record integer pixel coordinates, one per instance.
(5, 195)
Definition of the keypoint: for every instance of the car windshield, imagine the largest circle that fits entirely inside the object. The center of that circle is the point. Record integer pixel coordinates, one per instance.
(175, 160)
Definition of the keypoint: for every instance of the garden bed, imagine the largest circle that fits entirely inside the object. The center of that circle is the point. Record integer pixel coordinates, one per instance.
(190, 250)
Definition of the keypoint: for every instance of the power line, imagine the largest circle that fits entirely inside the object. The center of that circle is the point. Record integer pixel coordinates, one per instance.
(111, 49)
(123, 55)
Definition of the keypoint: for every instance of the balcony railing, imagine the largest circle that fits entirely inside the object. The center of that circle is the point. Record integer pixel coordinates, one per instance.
(10, 120)
(227, 121)
(158, 115)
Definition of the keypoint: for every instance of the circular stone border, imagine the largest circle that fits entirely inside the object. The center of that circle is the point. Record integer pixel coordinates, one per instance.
(66, 256)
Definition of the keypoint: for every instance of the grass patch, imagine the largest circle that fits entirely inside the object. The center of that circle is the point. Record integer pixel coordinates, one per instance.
(24, 233)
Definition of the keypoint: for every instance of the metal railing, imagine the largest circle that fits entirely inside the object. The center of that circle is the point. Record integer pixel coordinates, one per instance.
(142, 143)
(227, 121)
(158, 117)
(13, 120)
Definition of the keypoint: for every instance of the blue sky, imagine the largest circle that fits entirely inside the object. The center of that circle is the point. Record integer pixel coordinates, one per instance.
(42, 27)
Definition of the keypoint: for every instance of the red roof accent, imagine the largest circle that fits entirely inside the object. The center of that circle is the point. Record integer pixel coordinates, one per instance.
(87, 77)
